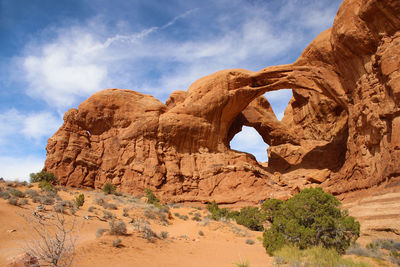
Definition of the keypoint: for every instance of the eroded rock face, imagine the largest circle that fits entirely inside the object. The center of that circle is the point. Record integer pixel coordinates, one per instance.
(341, 129)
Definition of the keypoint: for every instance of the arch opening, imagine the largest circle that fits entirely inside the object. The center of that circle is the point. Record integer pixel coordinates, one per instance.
(279, 100)
(250, 141)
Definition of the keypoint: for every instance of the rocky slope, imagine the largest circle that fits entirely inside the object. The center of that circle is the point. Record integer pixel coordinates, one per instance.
(341, 129)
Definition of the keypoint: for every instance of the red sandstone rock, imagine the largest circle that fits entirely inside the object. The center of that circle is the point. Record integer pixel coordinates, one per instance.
(341, 129)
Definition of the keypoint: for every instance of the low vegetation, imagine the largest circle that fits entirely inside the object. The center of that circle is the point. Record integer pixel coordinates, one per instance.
(109, 188)
(380, 249)
(310, 218)
(151, 198)
(43, 176)
(312, 256)
(80, 200)
(117, 227)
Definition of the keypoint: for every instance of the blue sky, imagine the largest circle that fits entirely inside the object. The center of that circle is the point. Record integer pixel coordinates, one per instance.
(55, 54)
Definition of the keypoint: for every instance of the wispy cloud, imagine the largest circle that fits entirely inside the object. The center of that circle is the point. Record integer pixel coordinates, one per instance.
(34, 126)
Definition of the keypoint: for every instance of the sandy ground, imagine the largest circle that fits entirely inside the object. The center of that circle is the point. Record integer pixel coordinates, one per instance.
(220, 244)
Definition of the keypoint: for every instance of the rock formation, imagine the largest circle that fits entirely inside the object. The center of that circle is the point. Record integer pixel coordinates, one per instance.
(341, 129)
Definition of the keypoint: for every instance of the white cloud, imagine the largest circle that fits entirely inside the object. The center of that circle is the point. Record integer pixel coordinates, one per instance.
(40, 125)
(85, 59)
(31, 126)
(19, 168)
(64, 69)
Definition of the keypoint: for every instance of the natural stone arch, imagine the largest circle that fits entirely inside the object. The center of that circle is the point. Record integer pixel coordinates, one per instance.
(345, 102)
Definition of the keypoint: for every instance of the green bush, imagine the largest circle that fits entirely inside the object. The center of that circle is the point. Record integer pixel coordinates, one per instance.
(217, 213)
(109, 188)
(152, 199)
(43, 176)
(251, 218)
(79, 200)
(47, 186)
(310, 218)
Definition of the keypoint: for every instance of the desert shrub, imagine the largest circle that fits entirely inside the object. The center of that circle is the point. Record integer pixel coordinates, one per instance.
(23, 201)
(356, 249)
(72, 210)
(313, 256)
(107, 215)
(17, 193)
(163, 213)
(109, 188)
(13, 201)
(148, 233)
(110, 206)
(91, 209)
(5, 195)
(176, 214)
(117, 227)
(201, 233)
(53, 194)
(164, 234)
(394, 257)
(218, 213)
(308, 219)
(242, 263)
(100, 232)
(196, 217)
(250, 241)
(117, 243)
(43, 176)
(251, 218)
(149, 214)
(125, 212)
(79, 200)
(31, 193)
(47, 200)
(118, 193)
(388, 244)
(152, 199)
(99, 201)
(184, 217)
(36, 199)
(52, 241)
(47, 186)
(60, 207)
